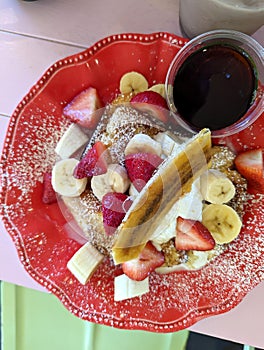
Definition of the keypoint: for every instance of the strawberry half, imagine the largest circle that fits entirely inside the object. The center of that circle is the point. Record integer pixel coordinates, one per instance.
(83, 109)
(95, 162)
(114, 208)
(153, 103)
(250, 165)
(140, 167)
(149, 259)
(192, 235)
(49, 195)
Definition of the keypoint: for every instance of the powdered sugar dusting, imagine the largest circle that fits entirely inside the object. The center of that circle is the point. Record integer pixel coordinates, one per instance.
(124, 123)
(31, 155)
(186, 296)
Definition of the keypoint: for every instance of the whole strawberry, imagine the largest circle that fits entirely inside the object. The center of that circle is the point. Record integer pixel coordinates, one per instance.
(140, 167)
(114, 208)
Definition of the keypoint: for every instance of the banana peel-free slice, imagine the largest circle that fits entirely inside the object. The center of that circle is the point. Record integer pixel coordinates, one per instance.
(173, 179)
(133, 82)
(222, 221)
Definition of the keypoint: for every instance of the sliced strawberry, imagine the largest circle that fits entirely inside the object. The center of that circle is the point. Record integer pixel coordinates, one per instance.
(150, 97)
(49, 195)
(140, 167)
(83, 109)
(149, 259)
(250, 165)
(153, 103)
(95, 162)
(114, 207)
(192, 235)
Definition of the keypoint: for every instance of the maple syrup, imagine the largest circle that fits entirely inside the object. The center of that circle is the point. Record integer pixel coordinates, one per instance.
(215, 86)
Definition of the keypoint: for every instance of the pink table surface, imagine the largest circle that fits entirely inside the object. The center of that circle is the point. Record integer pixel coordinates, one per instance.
(35, 35)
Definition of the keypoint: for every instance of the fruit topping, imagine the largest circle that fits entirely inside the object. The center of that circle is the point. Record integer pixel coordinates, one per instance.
(222, 221)
(168, 145)
(114, 208)
(63, 181)
(159, 88)
(150, 97)
(140, 167)
(178, 208)
(172, 179)
(84, 262)
(126, 288)
(143, 143)
(95, 162)
(83, 108)
(192, 235)
(152, 102)
(114, 180)
(250, 165)
(133, 82)
(71, 141)
(49, 195)
(149, 259)
(216, 187)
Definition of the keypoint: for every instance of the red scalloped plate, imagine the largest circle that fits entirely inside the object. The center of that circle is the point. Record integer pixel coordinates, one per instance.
(175, 301)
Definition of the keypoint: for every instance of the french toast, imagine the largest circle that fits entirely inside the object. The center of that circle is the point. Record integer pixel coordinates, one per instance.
(176, 220)
(117, 126)
(155, 203)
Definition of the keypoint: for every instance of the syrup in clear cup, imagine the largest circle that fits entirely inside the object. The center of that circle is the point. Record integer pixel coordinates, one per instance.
(216, 81)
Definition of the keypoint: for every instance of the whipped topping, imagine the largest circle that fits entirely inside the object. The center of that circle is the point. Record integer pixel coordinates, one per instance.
(189, 206)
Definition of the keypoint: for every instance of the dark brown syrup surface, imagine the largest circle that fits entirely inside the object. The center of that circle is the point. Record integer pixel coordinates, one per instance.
(214, 87)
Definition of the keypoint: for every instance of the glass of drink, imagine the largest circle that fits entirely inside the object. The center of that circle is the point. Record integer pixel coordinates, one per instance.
(199, 16)
(217, 81)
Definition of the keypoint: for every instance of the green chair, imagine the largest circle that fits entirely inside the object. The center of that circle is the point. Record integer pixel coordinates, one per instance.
(33, 320)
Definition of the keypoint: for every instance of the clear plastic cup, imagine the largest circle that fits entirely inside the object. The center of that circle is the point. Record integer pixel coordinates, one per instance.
(239, 41)
(200, 16)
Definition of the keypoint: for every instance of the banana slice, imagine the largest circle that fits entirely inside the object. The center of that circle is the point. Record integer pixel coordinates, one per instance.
(222, 221)
(118, 178)
(133, 82)
(84, 262)
(100, 186)
(159, 88)
(114, 180)
(173, 179)
(216, 187)
(126, 288)
(167, 143)
(63, 181)
(73, 139)
(143, 143)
